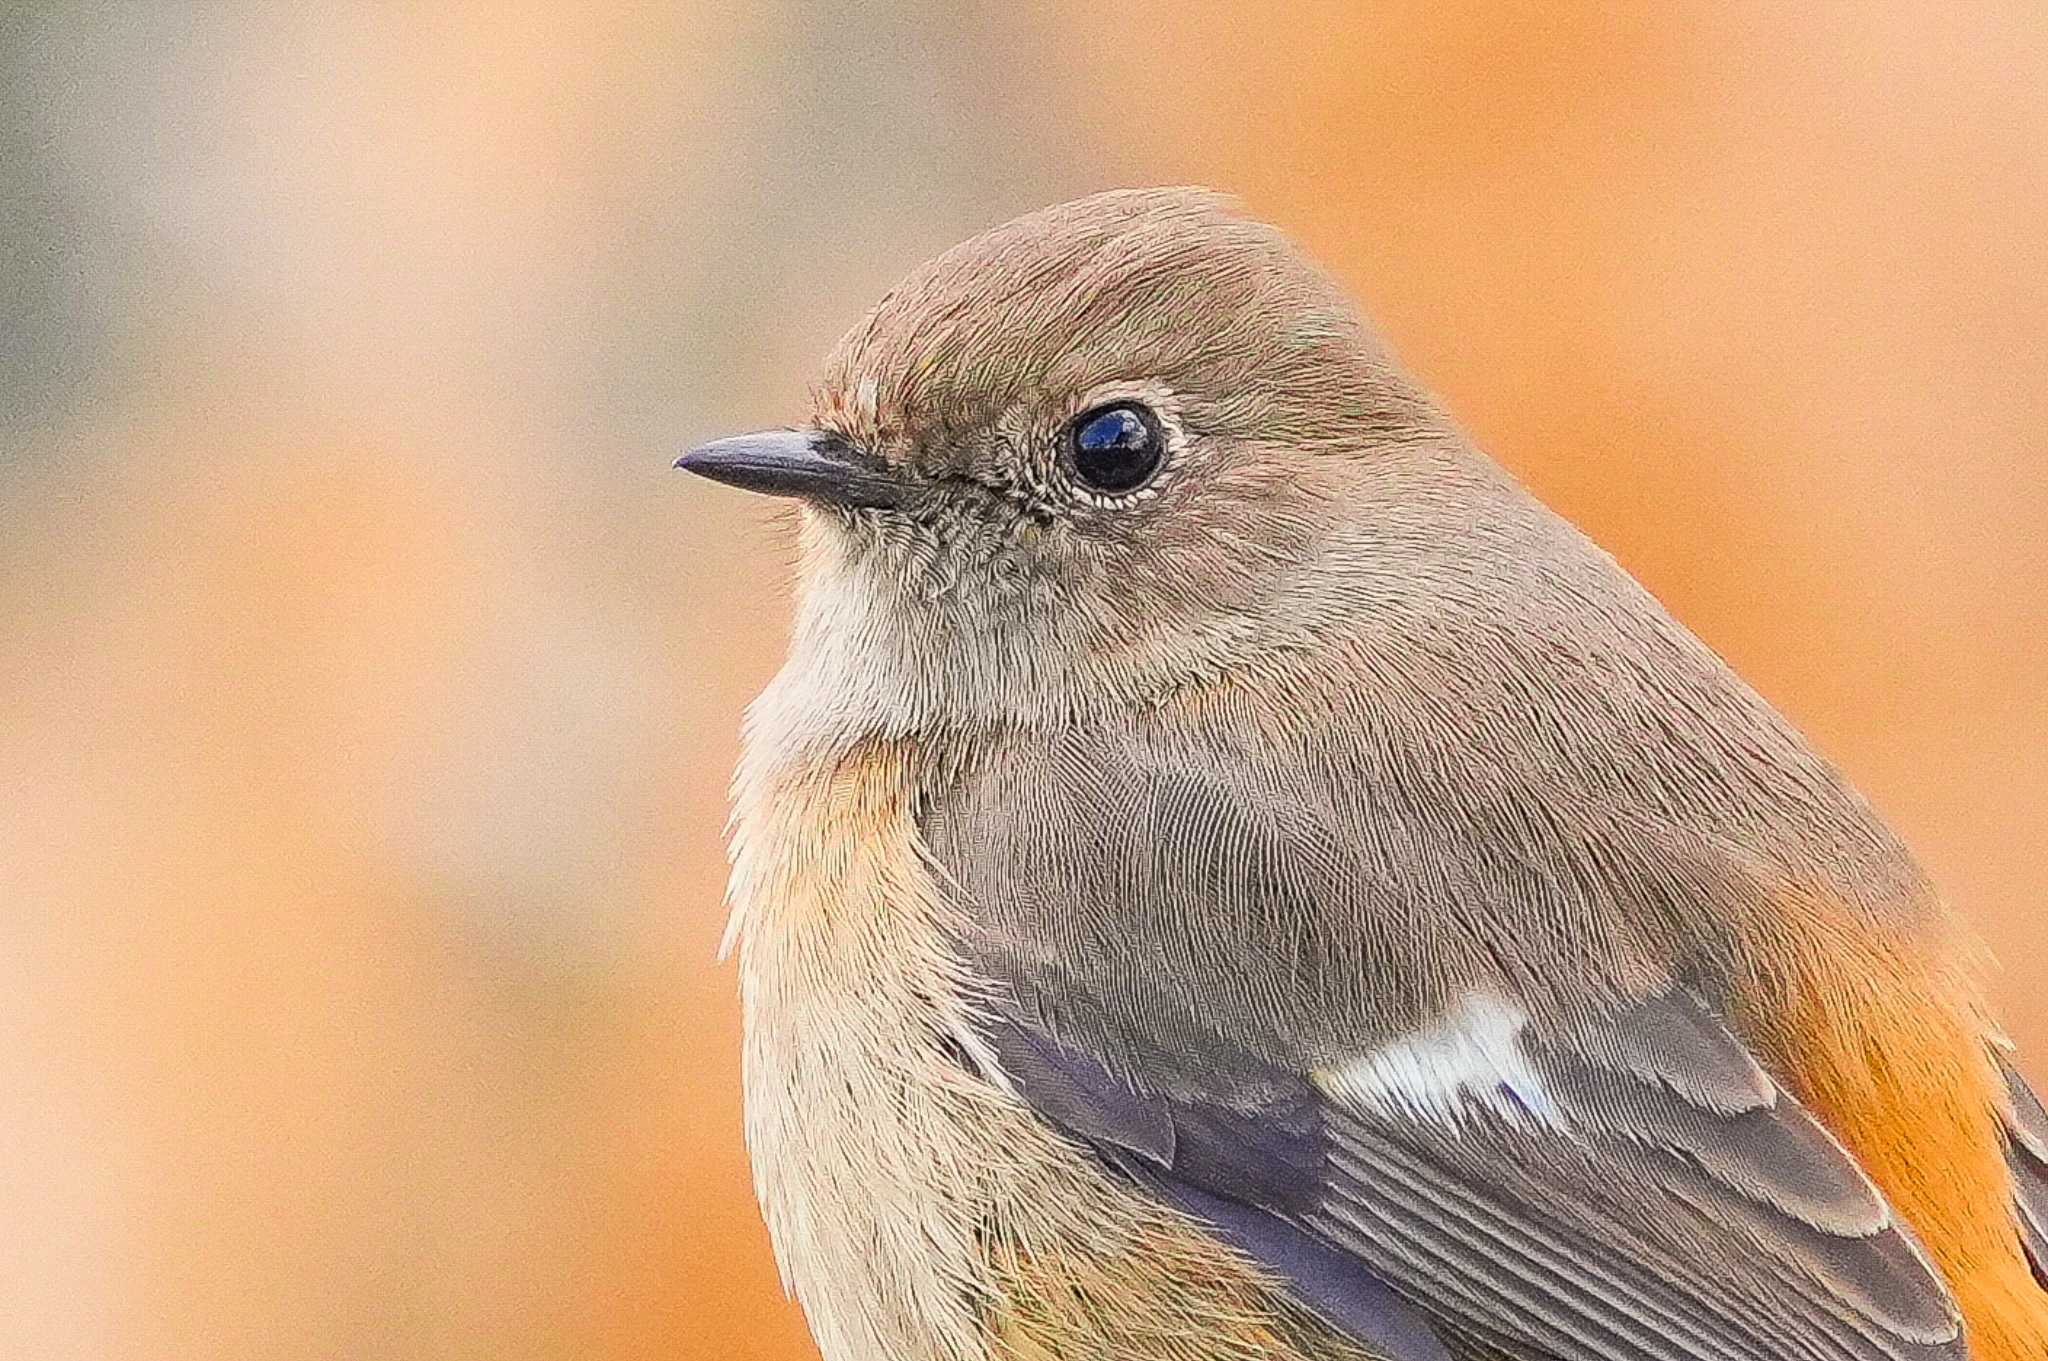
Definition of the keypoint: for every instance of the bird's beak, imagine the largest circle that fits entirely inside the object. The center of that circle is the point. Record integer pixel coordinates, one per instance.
(795, 463)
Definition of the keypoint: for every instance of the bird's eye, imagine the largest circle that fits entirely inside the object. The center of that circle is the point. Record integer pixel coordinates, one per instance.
(1116, 449)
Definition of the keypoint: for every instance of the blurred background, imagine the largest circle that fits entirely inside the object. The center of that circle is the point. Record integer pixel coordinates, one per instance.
(369, 684)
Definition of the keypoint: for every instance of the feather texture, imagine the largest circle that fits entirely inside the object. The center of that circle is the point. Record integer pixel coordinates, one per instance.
(2027, 1150)
(1193, 972)
(1648, 1224)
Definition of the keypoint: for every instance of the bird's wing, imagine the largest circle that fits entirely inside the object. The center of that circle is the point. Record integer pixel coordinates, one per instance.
(2026, 1142)
(1630, 1185)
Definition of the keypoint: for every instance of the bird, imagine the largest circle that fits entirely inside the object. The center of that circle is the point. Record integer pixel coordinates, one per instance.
(1225, 874)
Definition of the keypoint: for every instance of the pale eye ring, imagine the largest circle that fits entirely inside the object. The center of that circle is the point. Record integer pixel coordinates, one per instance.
(1116, 449)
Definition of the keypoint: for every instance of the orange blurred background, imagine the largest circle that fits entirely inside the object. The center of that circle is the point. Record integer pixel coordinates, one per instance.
(368, 684)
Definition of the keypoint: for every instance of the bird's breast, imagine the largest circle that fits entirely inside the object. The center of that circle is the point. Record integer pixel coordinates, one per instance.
(859, 1125)
(919, 1210)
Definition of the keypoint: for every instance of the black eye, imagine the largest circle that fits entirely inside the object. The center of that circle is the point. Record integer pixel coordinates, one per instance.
(1116, 448)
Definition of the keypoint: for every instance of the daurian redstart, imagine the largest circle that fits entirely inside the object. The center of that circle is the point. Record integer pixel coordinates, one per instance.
(1225, 874)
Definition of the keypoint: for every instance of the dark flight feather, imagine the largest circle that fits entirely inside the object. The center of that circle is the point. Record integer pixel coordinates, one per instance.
(1596, 1238)
(2027, 1150)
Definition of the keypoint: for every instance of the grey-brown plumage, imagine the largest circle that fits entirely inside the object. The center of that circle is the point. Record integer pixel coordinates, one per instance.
(2026, 1137)
(1226, 874)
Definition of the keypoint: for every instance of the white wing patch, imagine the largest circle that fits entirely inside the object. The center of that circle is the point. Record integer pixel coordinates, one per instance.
(1471, 1055)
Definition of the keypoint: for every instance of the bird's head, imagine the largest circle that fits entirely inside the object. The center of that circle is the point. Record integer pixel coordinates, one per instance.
(1097, 453)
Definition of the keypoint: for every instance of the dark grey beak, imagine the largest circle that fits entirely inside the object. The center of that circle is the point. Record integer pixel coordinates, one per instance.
(795, 463)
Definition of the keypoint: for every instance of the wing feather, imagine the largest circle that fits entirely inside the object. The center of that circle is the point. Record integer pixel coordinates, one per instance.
(1598, 1236)
(2027, 1150)
(1181, 959)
